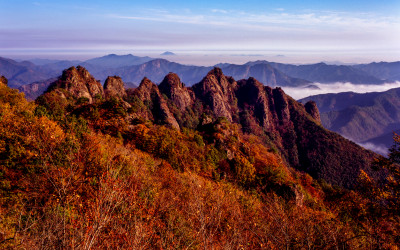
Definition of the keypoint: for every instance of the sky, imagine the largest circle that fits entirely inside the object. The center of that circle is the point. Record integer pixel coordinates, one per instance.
(204, 32)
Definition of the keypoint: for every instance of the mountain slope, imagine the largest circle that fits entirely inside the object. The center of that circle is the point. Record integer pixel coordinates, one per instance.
(20, 73)
(97, 177)
(35, 89)
(360, 117)
(117, 61)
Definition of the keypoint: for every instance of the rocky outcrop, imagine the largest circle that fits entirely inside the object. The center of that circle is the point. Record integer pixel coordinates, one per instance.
(312, 109)
(217, 92)
(114, 87)
(270, 106)
(286, 125)
(78, 83)
(145, 89)
(35, 89)
(3, 80)
(250, 93)
(148, 91)
(175, 90)
(281, 105)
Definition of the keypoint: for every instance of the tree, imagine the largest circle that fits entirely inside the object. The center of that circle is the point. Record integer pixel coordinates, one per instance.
(390, 189)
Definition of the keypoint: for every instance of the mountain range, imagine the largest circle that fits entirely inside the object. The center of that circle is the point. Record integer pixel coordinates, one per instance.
(324, 73)
(382, 70)
(364, 118)
(133, 68)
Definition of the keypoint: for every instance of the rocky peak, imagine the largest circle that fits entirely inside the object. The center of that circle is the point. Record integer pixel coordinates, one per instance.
(251, 93)
(3, 80)
(217, 72)
(145, 89)
(114, 86)
(217, 91)
(171, 81)
(83, 72)
(79, 83)
(215, 76)
(281, 105)
(312, 109)
(148, 91)
(175, 90)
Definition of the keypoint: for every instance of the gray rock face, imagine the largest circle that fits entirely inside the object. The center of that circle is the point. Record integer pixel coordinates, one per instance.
(79, 83)
(281, 105)
(252, 93)
(175, 90)
(114, 87)
(217, 91)
(312, 109)
(145, 89)
(148, 91)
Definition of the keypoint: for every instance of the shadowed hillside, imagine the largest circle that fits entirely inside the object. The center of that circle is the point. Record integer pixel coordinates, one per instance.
(361, 117)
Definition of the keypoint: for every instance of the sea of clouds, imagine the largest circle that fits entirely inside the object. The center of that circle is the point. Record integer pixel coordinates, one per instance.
(324, 88)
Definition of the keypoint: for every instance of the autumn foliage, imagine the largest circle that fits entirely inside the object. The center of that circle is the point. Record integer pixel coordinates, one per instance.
(81, 176)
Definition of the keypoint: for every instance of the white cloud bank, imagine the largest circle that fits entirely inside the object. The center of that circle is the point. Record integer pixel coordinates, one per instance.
(301, 92)
(324, 88)
(380, 149)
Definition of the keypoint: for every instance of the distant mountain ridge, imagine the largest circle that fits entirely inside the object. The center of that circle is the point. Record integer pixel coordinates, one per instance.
(265, 73)
(20, 73)
(382, 70)
(369, 117)
(324, 73)
(133, 68)
(117, 61)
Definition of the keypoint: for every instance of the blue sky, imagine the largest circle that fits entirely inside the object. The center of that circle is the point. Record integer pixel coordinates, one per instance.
(314, 30)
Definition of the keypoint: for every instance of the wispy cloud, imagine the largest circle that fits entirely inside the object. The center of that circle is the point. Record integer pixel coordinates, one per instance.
(220, 11)
(213, 29)
(306, 20)
(279, 29)
(189, 19)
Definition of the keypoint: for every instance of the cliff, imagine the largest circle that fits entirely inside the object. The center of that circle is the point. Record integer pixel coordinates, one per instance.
(290, 127)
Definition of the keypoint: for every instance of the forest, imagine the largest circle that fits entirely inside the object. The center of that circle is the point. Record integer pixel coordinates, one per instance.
(105, 172)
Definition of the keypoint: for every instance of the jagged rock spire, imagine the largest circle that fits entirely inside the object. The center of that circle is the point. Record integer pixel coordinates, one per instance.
(175, 90)
(312, 109)
(217, 91)
(148, 91)
(79, 83)
(114, 86)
